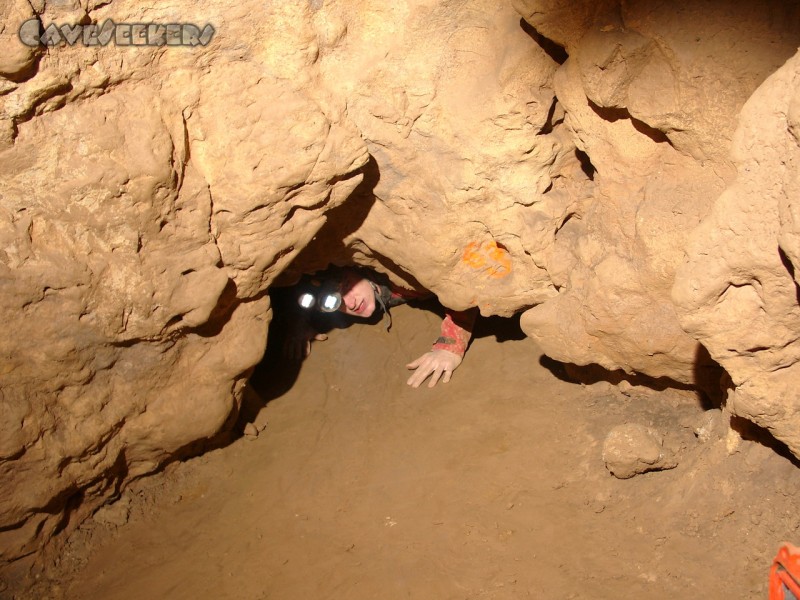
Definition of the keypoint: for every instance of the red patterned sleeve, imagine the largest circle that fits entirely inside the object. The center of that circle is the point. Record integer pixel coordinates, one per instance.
(456, 331)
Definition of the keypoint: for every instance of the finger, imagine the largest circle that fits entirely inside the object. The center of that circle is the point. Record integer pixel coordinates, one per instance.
(435, 377)
(412, 381)
(416, 363)
(307, 349)
(447, 374)
(417, 378)
(320, 337)
(427, 366)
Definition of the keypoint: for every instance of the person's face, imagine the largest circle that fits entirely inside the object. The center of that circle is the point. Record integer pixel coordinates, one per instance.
(358, 298)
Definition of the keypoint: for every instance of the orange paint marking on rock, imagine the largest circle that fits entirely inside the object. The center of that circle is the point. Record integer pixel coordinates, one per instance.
(487, 256)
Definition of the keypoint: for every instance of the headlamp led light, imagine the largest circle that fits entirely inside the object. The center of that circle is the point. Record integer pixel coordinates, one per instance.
(306, 300)
(330, 302)
(324, 295)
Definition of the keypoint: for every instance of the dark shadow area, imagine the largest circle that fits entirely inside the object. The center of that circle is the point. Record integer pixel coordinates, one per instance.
(558, 369)
(39, 52)
(713, 396)
(504, 329)
(549, 124)
(27, 73)
(610, 114)
(68, 502)
(392, 267)
(755, 433)
(566, 220)
(591, 374)
(228, 433)
(615, 114)
(586, 164)
(222, 312)
(276, 373)
(787, 263)
(709, 377)
(553, 50)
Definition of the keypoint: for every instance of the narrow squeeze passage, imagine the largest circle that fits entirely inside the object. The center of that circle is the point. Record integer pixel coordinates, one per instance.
(339, 296)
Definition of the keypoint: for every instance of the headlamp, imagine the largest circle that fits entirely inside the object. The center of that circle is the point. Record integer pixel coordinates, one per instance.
(324, 295)
(330, 302)
(306, 300)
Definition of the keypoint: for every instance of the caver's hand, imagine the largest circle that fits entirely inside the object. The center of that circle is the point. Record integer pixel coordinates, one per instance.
(436, 363)
(298, 340)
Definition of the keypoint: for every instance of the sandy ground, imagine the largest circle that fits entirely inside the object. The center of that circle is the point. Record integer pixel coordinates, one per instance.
(492, 486)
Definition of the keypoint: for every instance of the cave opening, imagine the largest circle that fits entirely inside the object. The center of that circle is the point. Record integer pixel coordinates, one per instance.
(277, 372)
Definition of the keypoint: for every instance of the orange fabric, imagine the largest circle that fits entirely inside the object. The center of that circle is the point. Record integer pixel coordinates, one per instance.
(785, 573)
(456, 331)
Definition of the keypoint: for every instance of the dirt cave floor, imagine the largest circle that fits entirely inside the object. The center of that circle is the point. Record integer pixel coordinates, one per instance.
(491, 486)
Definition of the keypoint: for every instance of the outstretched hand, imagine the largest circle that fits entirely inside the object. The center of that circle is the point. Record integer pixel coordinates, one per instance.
(298, 341)
(436, 363)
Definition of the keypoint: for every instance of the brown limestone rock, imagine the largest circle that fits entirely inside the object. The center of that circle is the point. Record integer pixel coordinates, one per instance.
(632, 449)
(736, 292)
(454, 102)
(565, 22)
(655, 120)
(16, 59)
(149, 198)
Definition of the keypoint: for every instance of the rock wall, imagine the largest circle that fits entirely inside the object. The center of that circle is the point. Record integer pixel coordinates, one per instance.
(454, 101)
(737, 291)
(149, 197)
(574, 164)
(651, 94)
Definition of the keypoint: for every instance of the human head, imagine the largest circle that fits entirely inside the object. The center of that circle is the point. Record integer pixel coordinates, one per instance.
(358, 294)
(345, 290)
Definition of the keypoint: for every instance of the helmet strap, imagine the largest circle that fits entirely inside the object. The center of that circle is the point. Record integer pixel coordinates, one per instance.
(379, 298)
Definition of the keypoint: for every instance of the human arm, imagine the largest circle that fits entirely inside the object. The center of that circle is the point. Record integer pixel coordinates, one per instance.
(299, 336)
(447, 351)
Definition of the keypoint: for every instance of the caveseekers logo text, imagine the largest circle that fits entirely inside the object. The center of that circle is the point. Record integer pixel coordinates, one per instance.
(32, 33)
